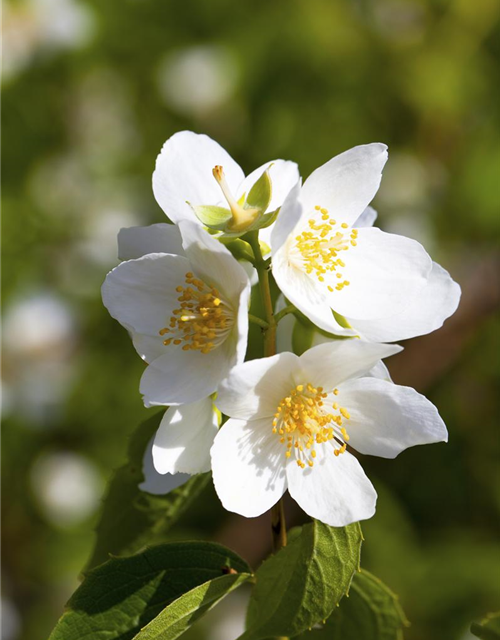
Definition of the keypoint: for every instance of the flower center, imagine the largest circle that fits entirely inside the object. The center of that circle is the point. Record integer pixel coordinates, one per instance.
(317, 249)
(309, 416)
(202, 320)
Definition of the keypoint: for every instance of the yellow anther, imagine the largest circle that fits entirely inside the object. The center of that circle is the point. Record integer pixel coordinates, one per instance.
(203, 319)
(303, 421)
(318, 246)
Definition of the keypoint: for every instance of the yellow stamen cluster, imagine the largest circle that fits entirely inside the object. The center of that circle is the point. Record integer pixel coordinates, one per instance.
(202, 320)
(320, 246)
(305, 418)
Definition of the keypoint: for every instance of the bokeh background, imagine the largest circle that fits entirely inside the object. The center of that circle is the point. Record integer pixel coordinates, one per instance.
(91, 90)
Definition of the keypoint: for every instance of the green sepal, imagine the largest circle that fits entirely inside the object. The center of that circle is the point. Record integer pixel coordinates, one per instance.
(260, 194)
(240, 249)
(216, 218)
(341, 320)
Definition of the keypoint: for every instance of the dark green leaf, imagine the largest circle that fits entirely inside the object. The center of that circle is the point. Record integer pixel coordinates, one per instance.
(180, 581)
(489, 628)
(130, 518)
(371, 612)
(301, 585)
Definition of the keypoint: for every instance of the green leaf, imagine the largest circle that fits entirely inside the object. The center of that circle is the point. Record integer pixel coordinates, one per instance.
(213, 217)
(130, 518)
(301, 585)
(489, 628)
(370, 612)
(260, 194)
(177, 582)
(184, 611)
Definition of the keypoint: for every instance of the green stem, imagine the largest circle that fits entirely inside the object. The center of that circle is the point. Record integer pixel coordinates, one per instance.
(278, 523)
(284, 312)
(257, 320)
(265, 291)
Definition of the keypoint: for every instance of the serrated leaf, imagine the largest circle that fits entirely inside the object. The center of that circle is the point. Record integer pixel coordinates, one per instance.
(130, 518)
(371, 612)
(260, 194)
(183, 612)
(489, 628)
(214, 217)
(120, 597)
(301, 585)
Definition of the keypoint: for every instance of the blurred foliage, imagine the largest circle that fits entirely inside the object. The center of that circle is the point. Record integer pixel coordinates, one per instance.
(90, 92)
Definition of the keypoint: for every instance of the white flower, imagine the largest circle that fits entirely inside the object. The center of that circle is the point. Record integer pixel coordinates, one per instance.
(290, 421)
(186, 307)
(326, 257)
(184, 174)
(184, 437)
(156, 483)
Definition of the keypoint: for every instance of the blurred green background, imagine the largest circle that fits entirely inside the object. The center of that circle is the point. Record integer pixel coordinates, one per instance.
(91, 90)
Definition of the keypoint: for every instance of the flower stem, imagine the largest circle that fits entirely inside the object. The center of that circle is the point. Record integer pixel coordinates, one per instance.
(257, 320)
(284, 312)
(262, 268)
(278, 524)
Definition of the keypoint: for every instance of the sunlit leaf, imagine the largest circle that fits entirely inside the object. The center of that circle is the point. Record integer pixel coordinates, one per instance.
(301, 585)
(177, 582)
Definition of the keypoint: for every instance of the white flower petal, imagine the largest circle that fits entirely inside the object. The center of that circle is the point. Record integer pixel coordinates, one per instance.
(184, 437)
(385, 272)
(141, 294)
(426, 312)
(347, 183)
(379, 371)
(288, 218)
(184, 173)
(284, 175)
(212, 261)
(366, 219)
(328, 365)
(134, 242)
(180, 377)
(254, 389)
(335, 491)
(148, 347)
(303, 292)
(387, 418)
(155, 482)
(247, 467)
